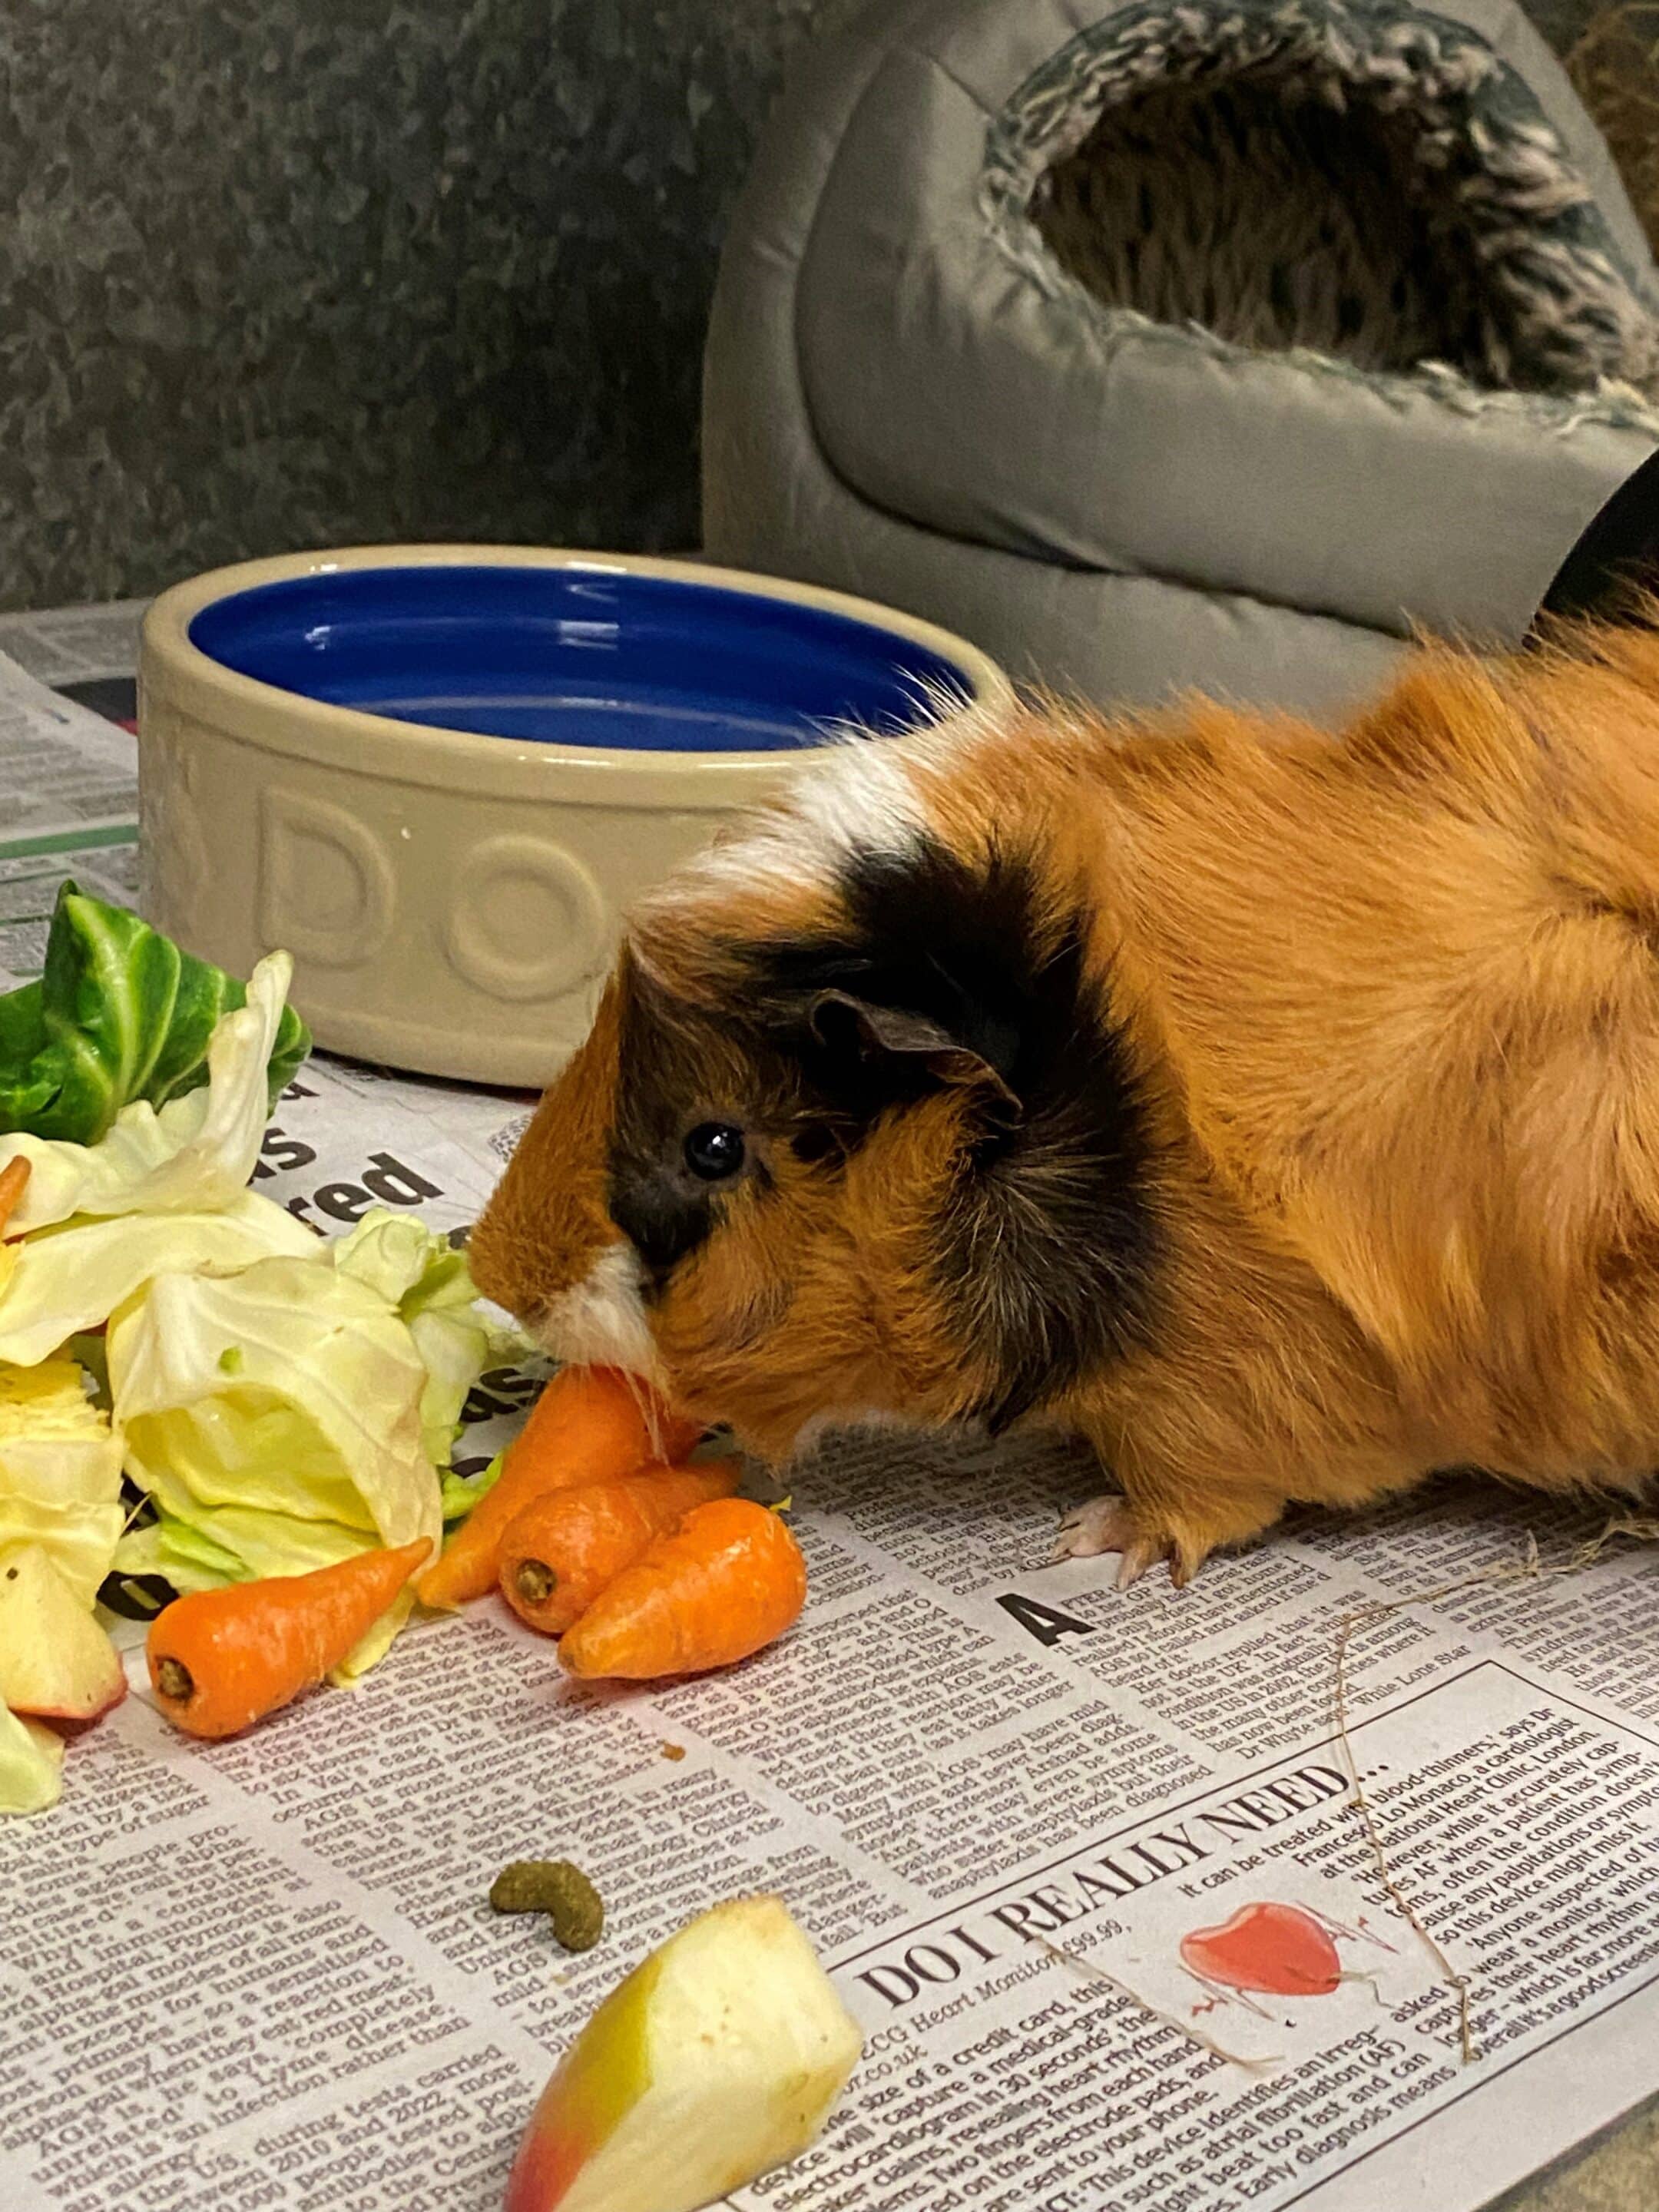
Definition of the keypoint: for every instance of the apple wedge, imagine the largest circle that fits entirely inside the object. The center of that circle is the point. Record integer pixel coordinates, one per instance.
(55, 1661)
(719, 2057)
(31, 1764)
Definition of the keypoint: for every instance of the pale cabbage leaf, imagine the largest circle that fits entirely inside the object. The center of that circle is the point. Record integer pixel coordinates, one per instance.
(420, 1273)
(275, 1416)
(64, 1280)
(31, 1764)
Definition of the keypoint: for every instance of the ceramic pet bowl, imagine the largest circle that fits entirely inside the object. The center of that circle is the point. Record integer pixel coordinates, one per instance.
(439, 774)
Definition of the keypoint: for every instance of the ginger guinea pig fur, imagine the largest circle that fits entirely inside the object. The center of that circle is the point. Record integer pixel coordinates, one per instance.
(1278, 1112)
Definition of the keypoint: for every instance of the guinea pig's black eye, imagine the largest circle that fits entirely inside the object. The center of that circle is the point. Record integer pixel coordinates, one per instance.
(714, 1150)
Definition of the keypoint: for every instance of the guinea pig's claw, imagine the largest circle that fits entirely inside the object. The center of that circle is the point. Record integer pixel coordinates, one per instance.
(1135, 1560)
(1106, 1524)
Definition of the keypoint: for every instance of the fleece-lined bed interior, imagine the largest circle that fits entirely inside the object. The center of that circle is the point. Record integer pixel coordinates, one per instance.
(1372, 186)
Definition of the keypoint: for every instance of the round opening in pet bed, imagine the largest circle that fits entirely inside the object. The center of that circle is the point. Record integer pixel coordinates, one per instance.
(1377, 189)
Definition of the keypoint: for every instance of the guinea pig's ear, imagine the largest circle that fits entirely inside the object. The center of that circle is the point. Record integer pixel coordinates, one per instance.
(848, 1028)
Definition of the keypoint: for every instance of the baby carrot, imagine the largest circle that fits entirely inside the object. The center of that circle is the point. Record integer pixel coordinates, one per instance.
(563, 1549)
(222, 1659)
(590, 1424)
(728, 1580)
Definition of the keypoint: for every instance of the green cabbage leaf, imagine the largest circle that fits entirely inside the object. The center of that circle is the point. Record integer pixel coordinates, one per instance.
(194, 1154)
(119, 1014)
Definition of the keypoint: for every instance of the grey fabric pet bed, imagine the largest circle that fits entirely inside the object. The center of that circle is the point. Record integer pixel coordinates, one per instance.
(1181, 341)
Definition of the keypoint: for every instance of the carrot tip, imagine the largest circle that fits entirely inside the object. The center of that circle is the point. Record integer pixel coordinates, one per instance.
(433, 1593)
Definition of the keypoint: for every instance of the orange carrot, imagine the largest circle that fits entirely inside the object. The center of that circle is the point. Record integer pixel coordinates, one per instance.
(14, 1181)
(728, 1580)
(222, 1659)
(562, 1550)
(590, 1424)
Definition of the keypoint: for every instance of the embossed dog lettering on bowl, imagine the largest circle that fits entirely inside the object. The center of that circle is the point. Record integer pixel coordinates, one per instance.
(439, 774)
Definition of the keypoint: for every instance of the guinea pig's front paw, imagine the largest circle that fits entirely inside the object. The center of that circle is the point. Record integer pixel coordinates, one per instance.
(1109, 1524)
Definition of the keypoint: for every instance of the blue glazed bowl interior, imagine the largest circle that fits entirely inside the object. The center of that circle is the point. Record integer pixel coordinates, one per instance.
(575, 656)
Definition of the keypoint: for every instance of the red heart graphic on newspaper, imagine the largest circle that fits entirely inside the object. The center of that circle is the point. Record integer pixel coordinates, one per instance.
(1277, 1950)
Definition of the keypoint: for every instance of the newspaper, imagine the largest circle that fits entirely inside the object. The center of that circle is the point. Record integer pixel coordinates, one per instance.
(72, 646)
(1092, 1867)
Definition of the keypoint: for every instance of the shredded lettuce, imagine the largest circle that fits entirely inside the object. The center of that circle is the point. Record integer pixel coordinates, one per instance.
(119, 1013)
(461, 1493)
(194, 1155)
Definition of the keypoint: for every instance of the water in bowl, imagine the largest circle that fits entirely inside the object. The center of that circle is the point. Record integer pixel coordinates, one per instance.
(576, 655)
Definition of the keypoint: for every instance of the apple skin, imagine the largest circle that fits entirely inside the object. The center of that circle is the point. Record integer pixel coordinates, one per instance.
(717, 2059)
(604, 2072)
(77, 1719)
(56, 1663)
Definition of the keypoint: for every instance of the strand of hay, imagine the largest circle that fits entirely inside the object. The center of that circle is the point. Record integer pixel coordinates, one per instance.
(1614, 67)
(1528, 1569)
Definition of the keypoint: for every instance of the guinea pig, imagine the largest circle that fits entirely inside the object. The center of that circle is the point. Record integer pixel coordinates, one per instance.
(1276, 1111)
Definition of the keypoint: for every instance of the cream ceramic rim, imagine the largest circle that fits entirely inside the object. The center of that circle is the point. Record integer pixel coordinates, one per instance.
(195, 684)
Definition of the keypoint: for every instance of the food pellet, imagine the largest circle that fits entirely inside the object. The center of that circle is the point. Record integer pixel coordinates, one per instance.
(557, 1889)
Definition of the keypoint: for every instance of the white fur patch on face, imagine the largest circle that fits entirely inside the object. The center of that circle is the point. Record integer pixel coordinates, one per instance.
(858, 796)
(601, 1321)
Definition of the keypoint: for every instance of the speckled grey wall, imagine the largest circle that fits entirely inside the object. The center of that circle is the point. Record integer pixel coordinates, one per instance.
(286, 272)
(274, 275)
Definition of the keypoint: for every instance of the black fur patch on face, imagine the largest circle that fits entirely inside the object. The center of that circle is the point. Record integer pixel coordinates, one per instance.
(664, 1210)
(1047, 1254)
(662, 1226)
